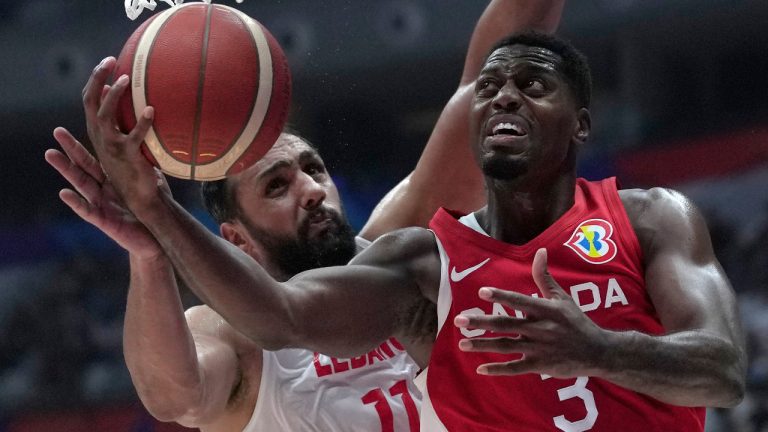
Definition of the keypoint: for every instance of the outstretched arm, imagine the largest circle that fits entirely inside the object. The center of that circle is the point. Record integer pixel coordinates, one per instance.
(700, 361)
(446, 174)
(177, 377)
(340, 310)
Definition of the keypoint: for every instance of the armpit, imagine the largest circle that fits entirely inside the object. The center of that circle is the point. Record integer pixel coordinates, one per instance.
(419, 330)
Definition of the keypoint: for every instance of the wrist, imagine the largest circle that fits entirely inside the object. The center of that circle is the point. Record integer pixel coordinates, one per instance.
(150, 209)
(621, 352)
(149, 259)
(606, 351)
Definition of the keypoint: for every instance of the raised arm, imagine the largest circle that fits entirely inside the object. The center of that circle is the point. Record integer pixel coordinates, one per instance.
(360, 305)
(446, 174)
(178, 377)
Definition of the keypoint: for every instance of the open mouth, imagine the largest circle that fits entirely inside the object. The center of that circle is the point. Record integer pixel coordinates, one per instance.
(318, 217)
(506, 128)
(319, 222)
(507, 133)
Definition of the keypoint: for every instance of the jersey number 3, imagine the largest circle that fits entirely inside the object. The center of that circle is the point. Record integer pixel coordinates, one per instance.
(577, 390)
(379, 399)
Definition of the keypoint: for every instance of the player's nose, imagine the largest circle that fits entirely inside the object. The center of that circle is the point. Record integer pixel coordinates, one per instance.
(312, 193)
(508, 98)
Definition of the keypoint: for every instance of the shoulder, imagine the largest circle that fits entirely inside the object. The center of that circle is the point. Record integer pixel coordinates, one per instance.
(662, 216)
(650, 204)
(656, 205)
(205, 322)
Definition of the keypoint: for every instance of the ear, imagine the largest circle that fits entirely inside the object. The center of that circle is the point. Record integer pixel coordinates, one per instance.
(583, 126)
(235, 233)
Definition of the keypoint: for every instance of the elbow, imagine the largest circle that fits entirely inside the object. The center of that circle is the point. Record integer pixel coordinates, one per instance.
(162, 409)
(719, 384)
(729, 388)
(163, 414)
(732, 387)
(729, 395)
(168, 404)
(727, 373)
(735, 397)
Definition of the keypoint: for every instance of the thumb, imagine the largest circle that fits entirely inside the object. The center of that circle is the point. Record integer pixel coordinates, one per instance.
(546, 283)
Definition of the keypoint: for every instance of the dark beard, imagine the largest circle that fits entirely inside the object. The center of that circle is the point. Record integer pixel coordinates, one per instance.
(500, 168)
(336, 246)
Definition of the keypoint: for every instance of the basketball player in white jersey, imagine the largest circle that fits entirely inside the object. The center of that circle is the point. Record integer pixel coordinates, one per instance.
(666, 340)
(194, 368)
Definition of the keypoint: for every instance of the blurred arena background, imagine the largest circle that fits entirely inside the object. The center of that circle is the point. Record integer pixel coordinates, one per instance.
(681, 100)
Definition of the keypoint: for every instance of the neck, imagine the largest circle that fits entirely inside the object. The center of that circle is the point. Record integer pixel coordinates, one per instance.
(519, 210)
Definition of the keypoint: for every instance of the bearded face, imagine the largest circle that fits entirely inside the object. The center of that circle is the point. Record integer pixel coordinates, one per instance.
(324, 238)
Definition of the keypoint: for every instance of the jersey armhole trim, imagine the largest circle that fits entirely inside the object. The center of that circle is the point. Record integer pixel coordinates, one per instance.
(620, 216)
(264, 390)
(444, 296)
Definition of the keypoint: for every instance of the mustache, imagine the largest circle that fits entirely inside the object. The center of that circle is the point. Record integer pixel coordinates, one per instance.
(322, 212)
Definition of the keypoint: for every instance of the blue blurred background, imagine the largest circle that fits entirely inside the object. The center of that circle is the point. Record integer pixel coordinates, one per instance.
(680, 100)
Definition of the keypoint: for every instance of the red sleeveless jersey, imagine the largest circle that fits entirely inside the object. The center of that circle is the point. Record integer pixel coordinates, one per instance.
(594, 255)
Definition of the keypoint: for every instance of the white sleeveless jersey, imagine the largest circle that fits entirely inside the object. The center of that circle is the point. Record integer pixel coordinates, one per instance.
(305, 391)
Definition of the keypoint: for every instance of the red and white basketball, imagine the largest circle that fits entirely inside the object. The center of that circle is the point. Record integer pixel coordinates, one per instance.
(219, 84)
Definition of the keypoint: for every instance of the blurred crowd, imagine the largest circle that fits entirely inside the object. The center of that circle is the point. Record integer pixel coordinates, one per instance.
(61, 339)
(743, 253)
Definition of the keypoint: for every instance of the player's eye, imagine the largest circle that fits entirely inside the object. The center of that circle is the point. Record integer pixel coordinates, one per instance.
(486, 86)
(536, 85)
(275, 186)
(486, 83)
(314, 169)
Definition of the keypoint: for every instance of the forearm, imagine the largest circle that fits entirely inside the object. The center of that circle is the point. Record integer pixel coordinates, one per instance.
(689, 368)
(504, 17)
(446, 174)
(341, 311)
(158, 346)
(225, 278)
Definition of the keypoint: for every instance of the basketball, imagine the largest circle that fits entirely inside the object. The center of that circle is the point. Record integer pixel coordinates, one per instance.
(219, 83)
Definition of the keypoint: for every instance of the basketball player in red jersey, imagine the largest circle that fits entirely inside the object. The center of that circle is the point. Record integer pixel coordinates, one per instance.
(197, 370)
(631, 326)
(635, 325)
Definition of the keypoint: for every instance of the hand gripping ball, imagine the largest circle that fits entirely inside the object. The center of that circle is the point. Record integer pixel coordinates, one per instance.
(220, 86)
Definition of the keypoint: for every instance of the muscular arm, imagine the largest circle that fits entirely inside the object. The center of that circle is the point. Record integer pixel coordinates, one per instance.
(360, 305)
(342, 311)
(416, 198)
(701, 360)
(178, 377)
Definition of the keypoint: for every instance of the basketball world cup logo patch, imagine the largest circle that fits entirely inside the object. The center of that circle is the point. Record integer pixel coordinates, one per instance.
(591, 240)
